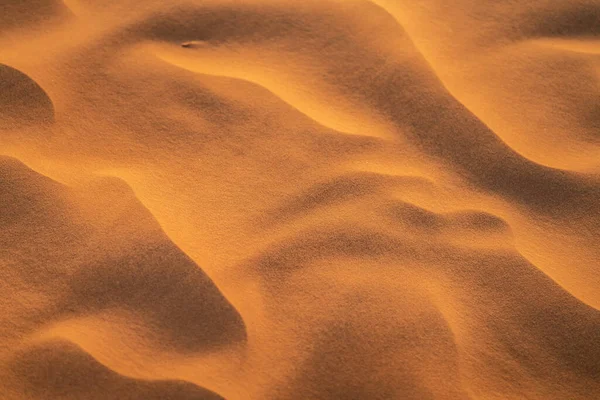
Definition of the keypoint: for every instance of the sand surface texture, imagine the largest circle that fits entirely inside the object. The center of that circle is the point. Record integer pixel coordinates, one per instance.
(316, 199)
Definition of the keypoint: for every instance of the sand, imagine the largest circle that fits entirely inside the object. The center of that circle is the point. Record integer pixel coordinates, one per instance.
(316, 199)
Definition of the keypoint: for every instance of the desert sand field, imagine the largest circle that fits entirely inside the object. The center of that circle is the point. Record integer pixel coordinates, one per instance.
(299, 199)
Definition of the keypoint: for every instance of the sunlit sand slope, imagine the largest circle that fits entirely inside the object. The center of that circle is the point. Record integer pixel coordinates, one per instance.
(299, 200)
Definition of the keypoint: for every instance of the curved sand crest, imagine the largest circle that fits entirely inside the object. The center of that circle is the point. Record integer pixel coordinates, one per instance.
(60, 369)
(420, 257)
(541, 100)
(94, 253)
(23, 102)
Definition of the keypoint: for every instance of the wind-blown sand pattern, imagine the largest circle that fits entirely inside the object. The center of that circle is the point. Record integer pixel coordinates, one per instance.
(317, 199)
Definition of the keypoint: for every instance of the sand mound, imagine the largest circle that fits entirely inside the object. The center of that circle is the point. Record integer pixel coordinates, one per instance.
(22, 101)
(299, 200)
(60, 369)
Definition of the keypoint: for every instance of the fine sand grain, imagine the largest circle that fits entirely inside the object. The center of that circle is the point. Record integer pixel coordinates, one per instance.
(298, 200)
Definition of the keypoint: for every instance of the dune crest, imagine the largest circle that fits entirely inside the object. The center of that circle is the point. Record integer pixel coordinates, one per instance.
(60, 370)
(23, 102)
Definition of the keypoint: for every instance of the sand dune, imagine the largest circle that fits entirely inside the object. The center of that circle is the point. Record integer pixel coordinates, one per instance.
(61, 370)
(299, 200)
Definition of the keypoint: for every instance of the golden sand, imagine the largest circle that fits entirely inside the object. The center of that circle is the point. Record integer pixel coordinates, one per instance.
(316, 199)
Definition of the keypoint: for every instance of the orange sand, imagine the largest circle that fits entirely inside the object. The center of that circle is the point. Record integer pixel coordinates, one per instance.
(316, 199)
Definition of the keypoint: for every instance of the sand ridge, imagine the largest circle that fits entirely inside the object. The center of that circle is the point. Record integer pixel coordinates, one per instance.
(299, 200)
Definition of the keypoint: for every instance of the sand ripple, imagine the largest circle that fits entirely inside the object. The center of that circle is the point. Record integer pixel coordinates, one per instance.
(299, 200)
